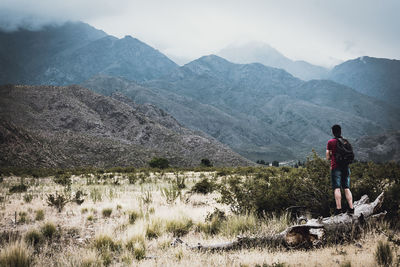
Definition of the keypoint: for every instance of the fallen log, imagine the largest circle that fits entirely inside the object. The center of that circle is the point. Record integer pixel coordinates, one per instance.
(312, 233)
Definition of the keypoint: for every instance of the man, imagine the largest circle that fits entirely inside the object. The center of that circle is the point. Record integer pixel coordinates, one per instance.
(340, 174)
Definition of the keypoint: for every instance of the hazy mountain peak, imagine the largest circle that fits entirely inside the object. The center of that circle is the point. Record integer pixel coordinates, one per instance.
(263, 53)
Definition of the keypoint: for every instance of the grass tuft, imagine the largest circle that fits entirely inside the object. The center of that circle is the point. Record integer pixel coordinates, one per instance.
(16, 255)
(384, 254)
(107, 212)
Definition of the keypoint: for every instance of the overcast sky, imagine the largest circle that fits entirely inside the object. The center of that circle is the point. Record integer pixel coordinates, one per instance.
(322, 32)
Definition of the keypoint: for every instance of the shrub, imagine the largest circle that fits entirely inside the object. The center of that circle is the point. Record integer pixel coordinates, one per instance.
(204, 186)
(161, 163)
(206, 163)
(28, 198)
(16, 255)
(34, 238)
(104, 242)
(170, 193)
(384, 254)
(274, 189)
(49, 230)
(58, 201)
(133, 215)
(20, 188)
(106, 212)
(39, 215)
(179, 227)
(154, 229)
(63, 179)
(137, 245)
(22, 217)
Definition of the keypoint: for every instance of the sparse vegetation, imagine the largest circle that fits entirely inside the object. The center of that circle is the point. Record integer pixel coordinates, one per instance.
(243, 201)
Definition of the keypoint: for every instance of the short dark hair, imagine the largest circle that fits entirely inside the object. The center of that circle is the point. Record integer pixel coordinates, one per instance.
(336, 130)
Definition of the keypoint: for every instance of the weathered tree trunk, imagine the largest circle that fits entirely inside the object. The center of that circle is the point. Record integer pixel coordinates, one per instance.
(313, 233)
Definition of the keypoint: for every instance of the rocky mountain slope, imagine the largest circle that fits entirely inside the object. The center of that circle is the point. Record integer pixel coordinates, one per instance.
(48, 126)
(263, 53)
(74, 52)
(377, 77)
(260, 112)
(379, 148)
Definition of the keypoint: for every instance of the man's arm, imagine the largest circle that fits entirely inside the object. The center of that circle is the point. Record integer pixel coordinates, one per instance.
(328, 154)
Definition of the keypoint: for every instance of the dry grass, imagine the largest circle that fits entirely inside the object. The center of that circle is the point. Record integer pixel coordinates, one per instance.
(142, 224)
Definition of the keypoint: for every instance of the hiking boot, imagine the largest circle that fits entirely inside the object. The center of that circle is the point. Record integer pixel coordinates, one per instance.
(338, 211)
(350, 211)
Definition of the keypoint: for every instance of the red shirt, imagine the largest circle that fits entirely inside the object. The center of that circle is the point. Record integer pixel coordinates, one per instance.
(332, 147)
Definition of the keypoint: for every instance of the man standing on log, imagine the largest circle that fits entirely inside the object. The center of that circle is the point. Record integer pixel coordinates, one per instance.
(340, 171)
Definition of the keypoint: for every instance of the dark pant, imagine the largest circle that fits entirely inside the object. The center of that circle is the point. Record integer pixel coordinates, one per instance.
(340, 177)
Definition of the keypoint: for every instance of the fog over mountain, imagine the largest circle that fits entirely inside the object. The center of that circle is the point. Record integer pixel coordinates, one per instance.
(74, 52)
(263, 53)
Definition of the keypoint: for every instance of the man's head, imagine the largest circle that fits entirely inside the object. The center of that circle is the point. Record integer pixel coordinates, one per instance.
(336, 130)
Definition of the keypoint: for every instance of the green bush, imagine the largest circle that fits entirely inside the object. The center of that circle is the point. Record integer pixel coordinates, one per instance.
(104, 243)
(204, 186)
(133, 216)
(19, 188)
(28, 198)
(49, 230)
(34, 238)
(160, 163)
(206, 163)
(179, 227)
(63, 179)
(106, 212)
(39, 215)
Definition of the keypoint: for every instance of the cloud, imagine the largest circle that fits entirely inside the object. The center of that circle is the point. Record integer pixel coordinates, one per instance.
(311, 30)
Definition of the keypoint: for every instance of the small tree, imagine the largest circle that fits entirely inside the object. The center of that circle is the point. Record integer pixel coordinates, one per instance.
(161, 163)
(206, 163)
(275, 163)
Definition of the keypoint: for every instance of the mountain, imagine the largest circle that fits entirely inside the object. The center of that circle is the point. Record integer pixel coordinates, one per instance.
(260, 112)
(49, 126)
(255, 52)
(379, 148)
(377, 77)
(74, 52)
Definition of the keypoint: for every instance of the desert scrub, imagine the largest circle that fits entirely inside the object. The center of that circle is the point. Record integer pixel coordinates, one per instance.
(84, 210)
(22, 217)
(95, 194)
(204, 186)
(57, 200)
(16, 255)
(28, 198)
(39, 215)
(383, 254)
(179, 226)
(133, 216)
(34, 238)
(170, 194)
(49, 230)
(154, 228)
(106, 243)
(239, 224)
(137, 246)
(107, 212)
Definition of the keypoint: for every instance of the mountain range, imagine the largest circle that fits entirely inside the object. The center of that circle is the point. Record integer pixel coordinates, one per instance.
(259, 111)
(50, 126)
